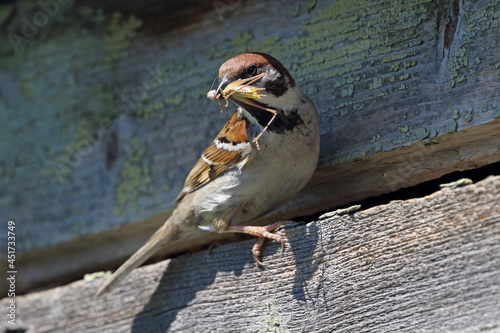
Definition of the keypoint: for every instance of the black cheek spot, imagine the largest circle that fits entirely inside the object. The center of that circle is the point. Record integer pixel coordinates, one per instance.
(280, 124)
(276, 87)
(293, 120)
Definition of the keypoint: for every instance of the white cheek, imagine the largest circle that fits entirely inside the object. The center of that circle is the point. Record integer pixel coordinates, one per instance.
(288, 101)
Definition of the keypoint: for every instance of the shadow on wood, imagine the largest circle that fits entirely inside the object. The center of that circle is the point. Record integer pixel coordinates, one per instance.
(426, 264)
(172, 294)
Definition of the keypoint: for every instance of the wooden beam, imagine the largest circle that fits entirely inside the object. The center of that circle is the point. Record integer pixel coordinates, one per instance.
(425, 264)
(104, 108)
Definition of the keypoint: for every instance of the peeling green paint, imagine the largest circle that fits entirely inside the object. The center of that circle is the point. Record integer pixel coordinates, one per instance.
(267, 45)
(120, 32)
(474, 21)
(422, 133)
(469, 115)
(347, 90)
(347, 27)
(409, 64)
(135, 178)
(348, 80)
(347, 33)
(399, 56)
(401, 87)
(376, 83)
(61, 146)
(352, 46)
(272, 319)
(242, 38)
(312, 90)
(404, 77)
(451, 127)
(459, 61)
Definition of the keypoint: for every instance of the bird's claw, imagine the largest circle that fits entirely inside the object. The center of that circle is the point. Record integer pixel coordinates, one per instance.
(263, 233)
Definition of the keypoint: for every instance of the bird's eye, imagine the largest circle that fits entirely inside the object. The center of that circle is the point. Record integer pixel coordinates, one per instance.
(252, 70)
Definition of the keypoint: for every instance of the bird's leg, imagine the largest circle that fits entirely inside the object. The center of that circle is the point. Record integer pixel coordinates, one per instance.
(221, 106)
(212, 95)
(261, 232)
(256, 139)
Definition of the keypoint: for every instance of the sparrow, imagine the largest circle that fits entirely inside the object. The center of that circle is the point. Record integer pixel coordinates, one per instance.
(262, 157)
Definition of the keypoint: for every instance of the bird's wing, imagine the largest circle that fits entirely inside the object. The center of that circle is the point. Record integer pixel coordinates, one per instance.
(230, 149)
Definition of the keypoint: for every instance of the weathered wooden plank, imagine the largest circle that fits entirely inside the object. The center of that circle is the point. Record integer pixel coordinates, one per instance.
(98, 107)
(423, 265)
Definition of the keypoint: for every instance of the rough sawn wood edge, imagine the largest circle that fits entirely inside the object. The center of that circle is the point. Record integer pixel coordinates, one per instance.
(426, 264)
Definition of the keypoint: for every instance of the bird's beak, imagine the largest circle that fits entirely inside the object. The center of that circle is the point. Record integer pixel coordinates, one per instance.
(222, 85)
(240, 90)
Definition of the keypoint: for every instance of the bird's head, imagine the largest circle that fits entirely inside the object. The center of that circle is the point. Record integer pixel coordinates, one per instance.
(260, 85)
(269, 73)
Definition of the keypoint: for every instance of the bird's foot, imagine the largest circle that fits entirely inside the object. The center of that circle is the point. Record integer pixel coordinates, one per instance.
(261, 232)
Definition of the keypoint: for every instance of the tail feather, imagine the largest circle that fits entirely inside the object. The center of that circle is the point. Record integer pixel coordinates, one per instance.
(162, 236)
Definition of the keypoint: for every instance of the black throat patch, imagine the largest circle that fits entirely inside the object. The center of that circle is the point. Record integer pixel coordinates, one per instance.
(280, 124)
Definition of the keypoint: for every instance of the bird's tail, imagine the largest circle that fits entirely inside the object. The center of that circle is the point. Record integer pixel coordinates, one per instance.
(165, 234)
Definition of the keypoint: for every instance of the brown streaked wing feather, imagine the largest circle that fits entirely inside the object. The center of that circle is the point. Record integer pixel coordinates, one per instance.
(221, 160)
(235, 130)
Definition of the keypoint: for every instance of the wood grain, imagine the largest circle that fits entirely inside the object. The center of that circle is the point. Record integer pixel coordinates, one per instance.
(429, 264)
(104, 108)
